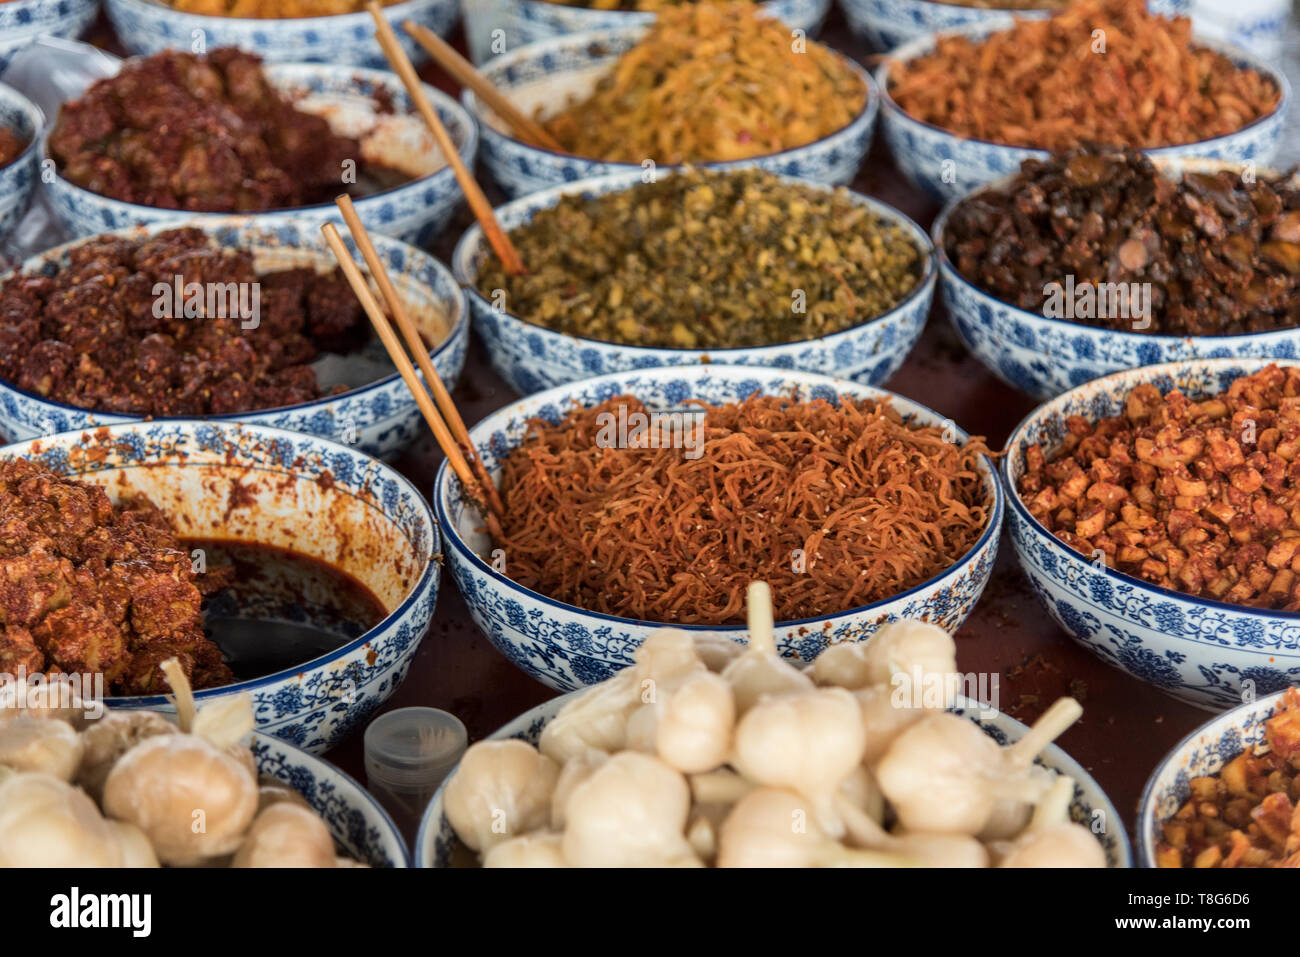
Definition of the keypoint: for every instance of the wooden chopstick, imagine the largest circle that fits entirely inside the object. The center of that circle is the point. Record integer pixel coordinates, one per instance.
(407, 371)
(397, 309)
(401, 65)
(461, 70)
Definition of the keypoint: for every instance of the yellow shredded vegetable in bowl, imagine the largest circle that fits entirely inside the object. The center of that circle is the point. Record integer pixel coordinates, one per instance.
(712, 83)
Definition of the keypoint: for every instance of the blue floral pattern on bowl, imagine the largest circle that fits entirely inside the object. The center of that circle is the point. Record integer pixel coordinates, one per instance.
(566, 647)
(379, 417)
(530, 357)
(436, 841)
(527, 21)
(1045, 357)
(22, 21)
(887, 23)
(22, 117)
(357, 822)
(1203, 753)
(151, 26)
(415, 211)
(948, 166)
(545, 73)
(317, 703)
(1198, 650)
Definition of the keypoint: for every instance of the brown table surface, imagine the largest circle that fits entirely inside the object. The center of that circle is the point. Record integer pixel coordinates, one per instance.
(1127, 725)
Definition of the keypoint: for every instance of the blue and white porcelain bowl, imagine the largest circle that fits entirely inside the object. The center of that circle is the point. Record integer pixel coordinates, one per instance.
(296, 492)
(22, 21)
(22, 117)
(1203, 753)
(436, 843)
(151, 26)
(415, 211)
(531, 358)
(566, 647)
(357, 822)
(1045, 357)
(377, 415)
(547, 74)
(947, 166)
(887, 23)
(1198, 650)
(527, 21)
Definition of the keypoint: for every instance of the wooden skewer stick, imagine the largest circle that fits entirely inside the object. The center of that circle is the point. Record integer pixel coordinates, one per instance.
(404, 367)
(1051, 724)
(417, 347)
(758, 607)
(401, 65)
(525, 127)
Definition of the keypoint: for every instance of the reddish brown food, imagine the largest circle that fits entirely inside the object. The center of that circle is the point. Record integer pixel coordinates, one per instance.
(208, 134)
(1247, 814)
(86, 586)
(834, 505)
(1220, 256)
(1058, 83)
(91, 334)
(11, 145)
(1201, 497)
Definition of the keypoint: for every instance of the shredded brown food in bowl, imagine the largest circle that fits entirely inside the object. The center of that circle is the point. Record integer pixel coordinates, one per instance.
(1247, 814)
(711, 83)
(836, 506)
(1103, 72)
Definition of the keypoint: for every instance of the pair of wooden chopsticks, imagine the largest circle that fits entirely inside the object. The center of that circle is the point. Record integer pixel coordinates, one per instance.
(451, 434)
(402, 66)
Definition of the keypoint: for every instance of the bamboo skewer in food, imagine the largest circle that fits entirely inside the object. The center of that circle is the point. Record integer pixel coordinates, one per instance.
(402, 66)
(464, 73)
(397, 309)
(398, 355)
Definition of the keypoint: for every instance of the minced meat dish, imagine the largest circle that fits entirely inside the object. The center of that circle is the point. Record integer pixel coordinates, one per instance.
(87, 586)
(202, 133)
(91, 334)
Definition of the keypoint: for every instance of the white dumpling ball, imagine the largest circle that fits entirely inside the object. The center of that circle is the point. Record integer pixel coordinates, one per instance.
(45, 745)
(286, 835)
(500, 790)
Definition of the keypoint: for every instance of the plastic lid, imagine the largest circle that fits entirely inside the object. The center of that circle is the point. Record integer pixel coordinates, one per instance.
(413, 748)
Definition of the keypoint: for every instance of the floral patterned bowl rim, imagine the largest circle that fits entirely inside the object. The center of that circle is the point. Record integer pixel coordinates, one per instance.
(37, 117)
(977, 31)
(1232, 719)
(312, 213)
(1176, 371)
(541, 49)
(466, 259)
(424, 852)
(250, 232)
(338, 20)
(273, 436)
(1170, 165)
(560, 395)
